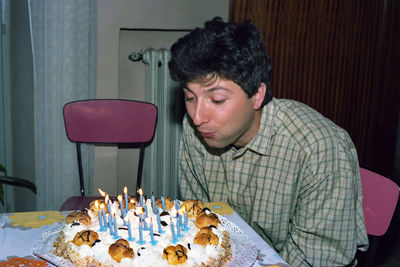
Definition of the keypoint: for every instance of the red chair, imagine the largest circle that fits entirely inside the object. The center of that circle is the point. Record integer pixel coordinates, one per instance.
(380, 197)
(107, 121)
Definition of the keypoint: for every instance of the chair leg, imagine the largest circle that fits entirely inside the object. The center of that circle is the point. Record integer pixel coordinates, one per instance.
(140, 167)
(371, 252)
(79, 154)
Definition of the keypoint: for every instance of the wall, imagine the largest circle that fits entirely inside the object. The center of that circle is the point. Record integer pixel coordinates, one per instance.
(136, 14)
(341, 58)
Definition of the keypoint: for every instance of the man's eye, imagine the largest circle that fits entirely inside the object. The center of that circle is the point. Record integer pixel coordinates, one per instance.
(218, 101)
(188, 99)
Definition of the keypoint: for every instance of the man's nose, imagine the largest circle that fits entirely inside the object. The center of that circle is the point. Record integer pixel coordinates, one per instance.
(200, 114)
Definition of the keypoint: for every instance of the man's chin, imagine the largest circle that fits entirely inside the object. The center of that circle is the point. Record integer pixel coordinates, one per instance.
(215, 144)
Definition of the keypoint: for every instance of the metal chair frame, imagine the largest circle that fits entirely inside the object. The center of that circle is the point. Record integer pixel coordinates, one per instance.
(110, 121)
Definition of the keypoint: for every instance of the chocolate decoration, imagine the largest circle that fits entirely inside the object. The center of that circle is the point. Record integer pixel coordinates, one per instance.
(206, 209)
(157, 234)
(180, 253)
(82, 237)
(96, 241)
(164, 223)
(138, 252)
(123, 228)
(75, 224)
(189, 246)
(164, 213)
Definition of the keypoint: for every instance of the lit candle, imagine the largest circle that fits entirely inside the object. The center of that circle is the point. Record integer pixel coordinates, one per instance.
(176, 204)
(178, 226)
(145, 211)
(126, 199)
(174, 240)
(130, 238)
(185, 227)
(104, 216)
(104, 194)
(121, 206)
(153, 203)
(96, 204)
(140, 211)
(115, 228)
(163, 203)
(140, 191)
(183, 212)
(133, 202)
(141, 241)
(109, 219)
(144, 224)
(108, 202)
(160, 230)
(153, 242)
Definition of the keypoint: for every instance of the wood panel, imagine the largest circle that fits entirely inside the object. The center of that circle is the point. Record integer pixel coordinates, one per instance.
(333, 56)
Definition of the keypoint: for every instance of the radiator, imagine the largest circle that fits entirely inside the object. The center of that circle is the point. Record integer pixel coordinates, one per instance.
(161, 157)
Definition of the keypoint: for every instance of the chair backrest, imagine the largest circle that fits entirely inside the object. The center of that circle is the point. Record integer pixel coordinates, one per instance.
(380, 196)
(111, 121)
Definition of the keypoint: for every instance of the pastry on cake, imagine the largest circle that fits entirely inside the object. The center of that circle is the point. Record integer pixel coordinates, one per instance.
(167, 201)
(141, 236)
(81, 216)
(121, 249)
(175, 254)
(85, 237)
(206, 218)
(206, 236)
(193, 207)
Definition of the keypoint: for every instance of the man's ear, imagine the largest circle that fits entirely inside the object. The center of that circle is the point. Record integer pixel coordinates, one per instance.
(258, 97)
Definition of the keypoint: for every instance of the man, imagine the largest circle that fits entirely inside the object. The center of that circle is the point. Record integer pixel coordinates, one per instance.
(291, 173)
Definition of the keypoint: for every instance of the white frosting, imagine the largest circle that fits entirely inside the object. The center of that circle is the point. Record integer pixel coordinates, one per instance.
(149, 255)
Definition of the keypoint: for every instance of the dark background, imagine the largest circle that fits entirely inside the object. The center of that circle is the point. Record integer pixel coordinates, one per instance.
(341, 58)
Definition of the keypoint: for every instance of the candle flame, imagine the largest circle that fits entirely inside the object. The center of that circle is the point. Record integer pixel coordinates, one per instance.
(140, 210)
(102, 193)
(182, 210)
(119, 197)
(125, 189)
(101, 206)
(140, 191)
(96, 204)
(106, 198)
(133, 201)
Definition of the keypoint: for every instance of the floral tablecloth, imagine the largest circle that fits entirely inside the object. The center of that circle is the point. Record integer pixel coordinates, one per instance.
(18, 234)
(20, 231)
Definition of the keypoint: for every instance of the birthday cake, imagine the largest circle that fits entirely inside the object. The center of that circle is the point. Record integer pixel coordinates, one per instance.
(144, 232)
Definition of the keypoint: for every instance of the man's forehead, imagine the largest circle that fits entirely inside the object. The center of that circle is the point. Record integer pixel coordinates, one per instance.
(206, 80)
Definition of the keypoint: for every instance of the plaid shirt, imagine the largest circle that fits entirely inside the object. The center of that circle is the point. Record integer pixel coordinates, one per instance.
(297, 184)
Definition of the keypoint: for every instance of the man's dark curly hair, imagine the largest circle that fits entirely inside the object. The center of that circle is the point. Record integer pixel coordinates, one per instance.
(228, 50)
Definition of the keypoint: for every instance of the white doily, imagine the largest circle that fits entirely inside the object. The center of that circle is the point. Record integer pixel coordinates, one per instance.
(244, 252)
(45, 246)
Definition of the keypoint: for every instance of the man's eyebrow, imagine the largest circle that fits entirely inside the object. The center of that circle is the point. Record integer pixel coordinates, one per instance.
(209, 90)
(215, 88)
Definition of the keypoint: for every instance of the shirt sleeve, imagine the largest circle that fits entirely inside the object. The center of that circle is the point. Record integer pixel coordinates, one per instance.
(327, 226)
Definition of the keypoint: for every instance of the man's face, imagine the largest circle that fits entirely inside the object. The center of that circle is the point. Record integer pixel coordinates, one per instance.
(222, 112)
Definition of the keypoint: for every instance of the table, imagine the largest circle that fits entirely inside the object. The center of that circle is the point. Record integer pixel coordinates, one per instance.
(20, 231)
